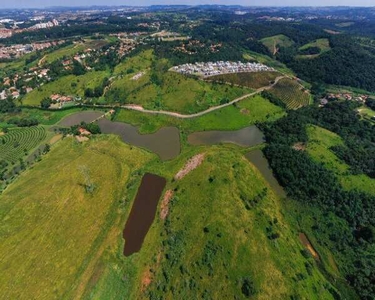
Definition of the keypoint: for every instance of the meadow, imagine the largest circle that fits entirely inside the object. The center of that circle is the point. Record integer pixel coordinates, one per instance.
(273, 42)
(319, 144)
(55, 229)
(322, 44)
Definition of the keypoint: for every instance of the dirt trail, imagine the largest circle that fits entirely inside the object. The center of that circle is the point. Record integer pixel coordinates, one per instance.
(182, 116)
(305, 241)
(41, 61)
(191, 165)
(164, 207)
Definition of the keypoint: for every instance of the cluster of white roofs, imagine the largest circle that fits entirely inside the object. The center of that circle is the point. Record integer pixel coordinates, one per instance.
(220, 67)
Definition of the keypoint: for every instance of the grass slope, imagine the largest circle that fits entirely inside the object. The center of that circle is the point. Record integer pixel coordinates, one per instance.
(320, 142)
(276, 41)
(67, 85)
(252, 80)
(245, 113)
(210, 243)
(52, 229)
(322, 44)
(171, 91)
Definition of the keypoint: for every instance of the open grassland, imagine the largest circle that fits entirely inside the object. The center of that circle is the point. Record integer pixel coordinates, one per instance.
(273, 43)
(291, 93)
(322, 44)
(367, 113)
(18, 142)
(244, 113)
(157, 88)
(53, 230)
(225, 237)
(252, 80)
(70, 85)
(320, 142)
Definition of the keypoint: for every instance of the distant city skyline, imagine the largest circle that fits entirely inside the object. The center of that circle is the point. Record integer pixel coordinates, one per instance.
(48, 3)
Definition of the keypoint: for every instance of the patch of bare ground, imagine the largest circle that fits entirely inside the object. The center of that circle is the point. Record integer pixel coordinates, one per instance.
(148, 274)
(191, 164)
(245, 111)
(55, 138)
(305, 241)
(299, 146)
(164, 208)
(82, 139)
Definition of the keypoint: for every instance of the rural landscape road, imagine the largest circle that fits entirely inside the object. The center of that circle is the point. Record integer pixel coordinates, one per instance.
(183, 116)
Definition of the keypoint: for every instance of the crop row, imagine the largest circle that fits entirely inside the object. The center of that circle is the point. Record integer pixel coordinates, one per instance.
(19, 141)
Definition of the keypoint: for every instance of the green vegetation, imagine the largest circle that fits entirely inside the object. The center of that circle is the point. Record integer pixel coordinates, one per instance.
(322, 45)
(157, 88)
(64, 52)
(253, 80)
(291, 93)
(244, 113)
(70, 85)
(62, 228)
(248, 257)
(319, 147)
(273, 43)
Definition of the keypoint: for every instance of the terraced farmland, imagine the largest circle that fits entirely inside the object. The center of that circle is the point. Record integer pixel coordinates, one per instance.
(20, 141)
(291, 93)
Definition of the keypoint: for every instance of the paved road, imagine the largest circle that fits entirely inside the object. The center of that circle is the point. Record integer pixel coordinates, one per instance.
(182, 116)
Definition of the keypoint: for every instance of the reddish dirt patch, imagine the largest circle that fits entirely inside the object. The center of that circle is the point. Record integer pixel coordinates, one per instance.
(164, 209)
(146, 279)
(305, 241)
(299, 146)
(191, 164)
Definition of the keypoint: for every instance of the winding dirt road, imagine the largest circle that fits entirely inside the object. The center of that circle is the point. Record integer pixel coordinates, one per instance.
(182, 116)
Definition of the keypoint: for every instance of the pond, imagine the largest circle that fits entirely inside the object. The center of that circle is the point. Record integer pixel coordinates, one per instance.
(257, 158)
(143, 212)
(246, 137)
(77, 118)
(165, 142)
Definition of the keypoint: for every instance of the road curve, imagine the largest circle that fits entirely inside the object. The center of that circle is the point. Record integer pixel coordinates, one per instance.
(182, 116)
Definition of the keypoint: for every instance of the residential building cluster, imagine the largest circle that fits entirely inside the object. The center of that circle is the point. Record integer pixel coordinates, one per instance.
(220, 67)
(18, 50)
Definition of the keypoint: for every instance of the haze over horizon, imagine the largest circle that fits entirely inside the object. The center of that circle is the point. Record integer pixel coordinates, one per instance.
(49, 3)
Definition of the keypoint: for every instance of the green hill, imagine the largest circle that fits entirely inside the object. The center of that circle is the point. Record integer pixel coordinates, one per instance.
(273, 43)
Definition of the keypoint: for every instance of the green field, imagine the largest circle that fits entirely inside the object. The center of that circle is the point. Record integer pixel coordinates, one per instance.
(160, 89)
(70, 85)
(18, 142)
(53, 230)
(273, 43)
(252, 80)
(245, 113)
(320, 142)
(236, 244)
(291, 93)
(322, 44)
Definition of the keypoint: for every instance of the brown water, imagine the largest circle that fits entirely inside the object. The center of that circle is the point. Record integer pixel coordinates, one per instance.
(247, 137)
(257, 158)
(165, 142)
(143, 212)
(77, 118)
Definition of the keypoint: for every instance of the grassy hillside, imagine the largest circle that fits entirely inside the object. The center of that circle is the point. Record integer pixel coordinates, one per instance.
(253, 80)
(53, 230)
(68, 85)
(273, 43)
(291, 93)
(245, 113)
(239, 253)
(322, 44)
(320, 142)
(157, 88)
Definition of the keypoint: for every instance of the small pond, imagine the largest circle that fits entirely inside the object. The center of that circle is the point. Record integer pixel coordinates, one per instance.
(143, 212)
(246, 137)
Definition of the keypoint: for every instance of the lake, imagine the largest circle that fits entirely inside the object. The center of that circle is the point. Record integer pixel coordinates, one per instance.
(164, 142)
